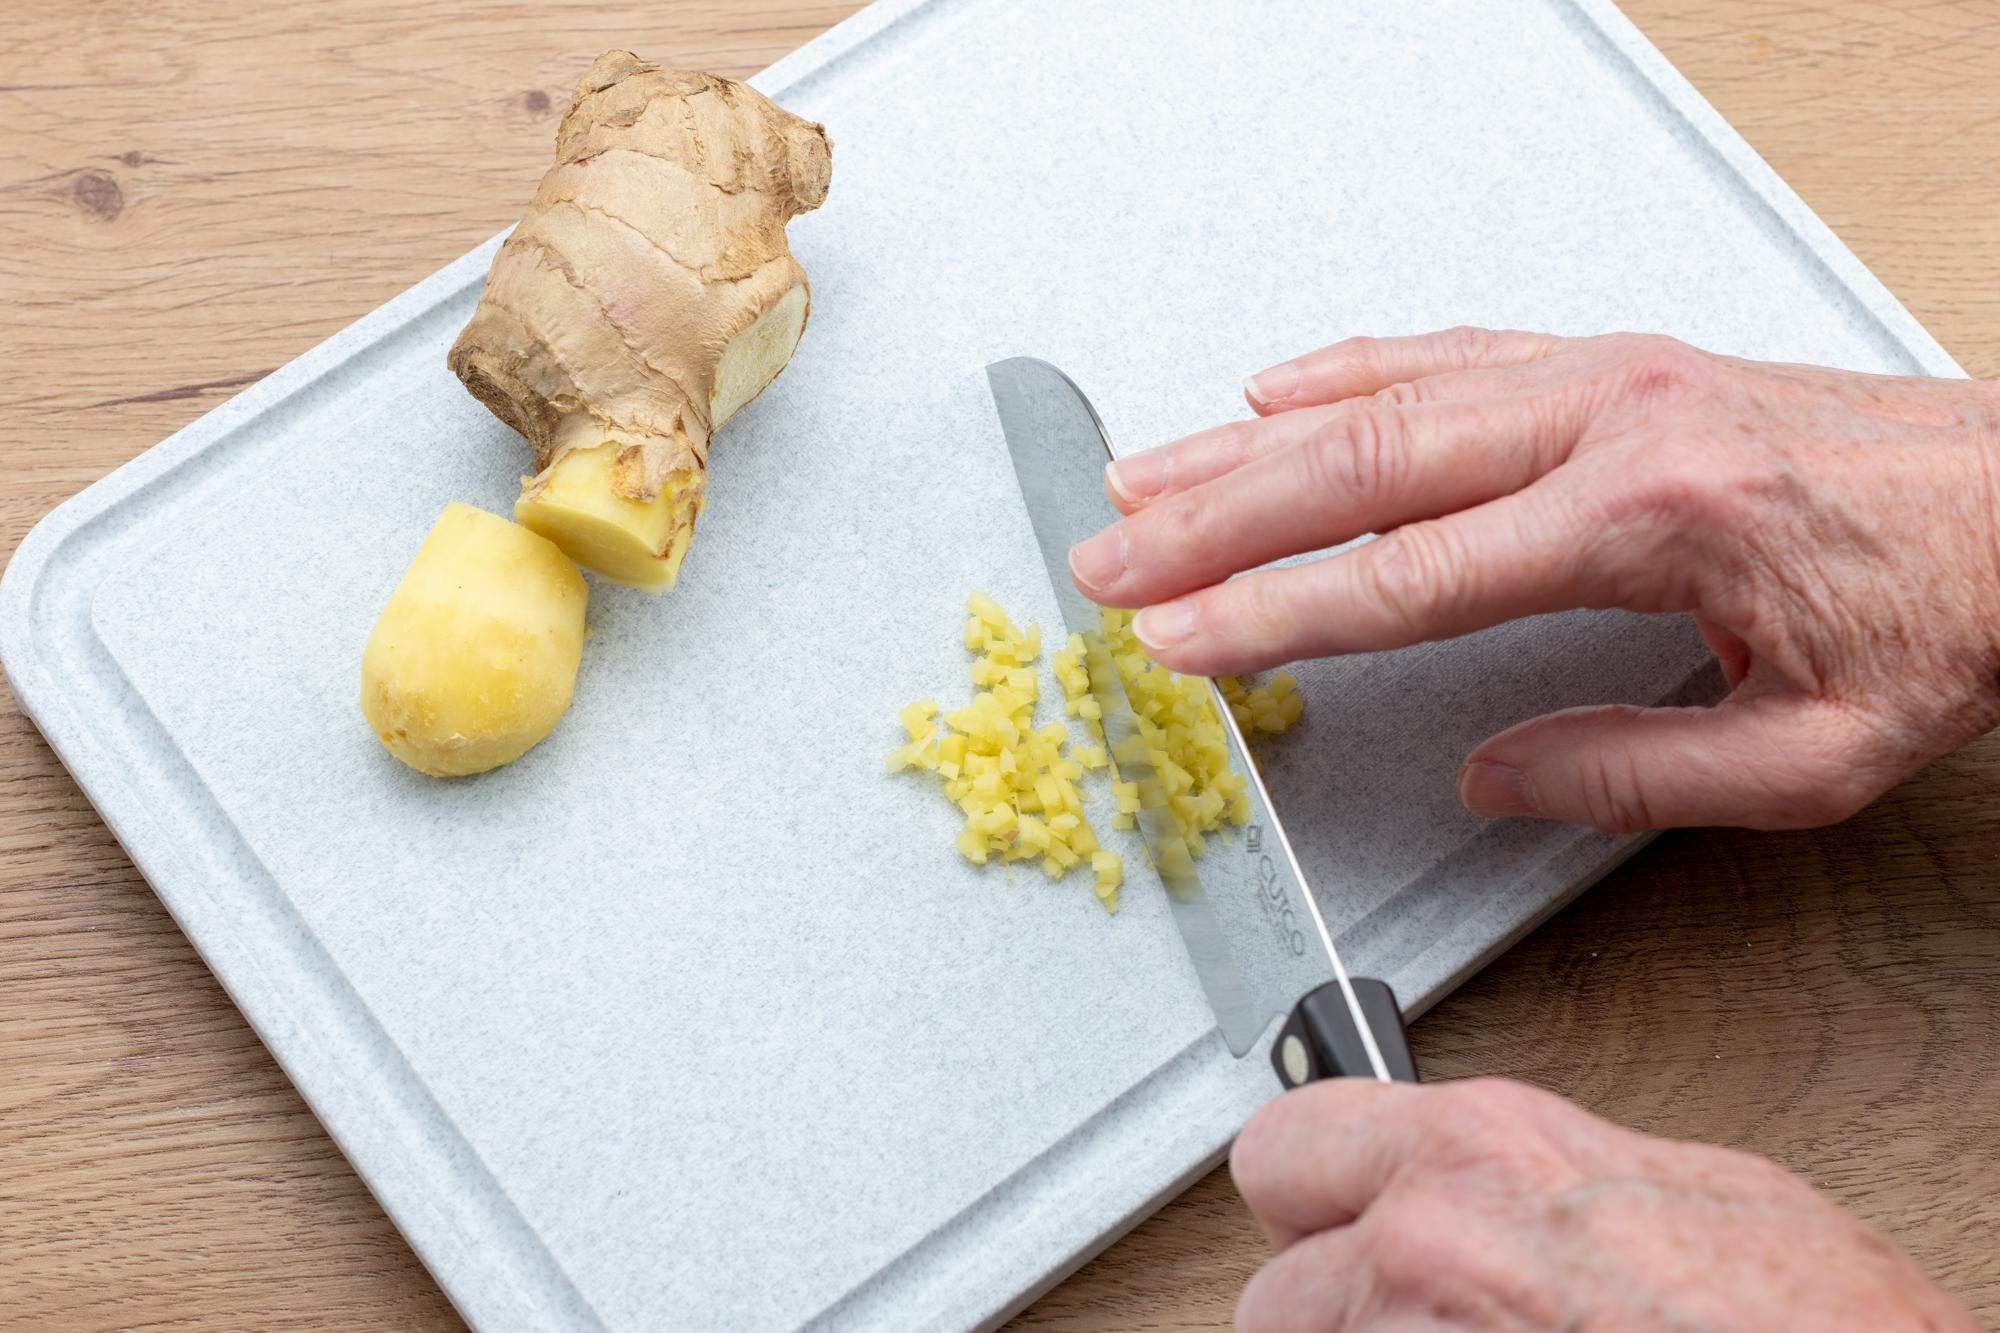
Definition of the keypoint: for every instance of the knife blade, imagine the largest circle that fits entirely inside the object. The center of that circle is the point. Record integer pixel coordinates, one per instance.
(1252, 929)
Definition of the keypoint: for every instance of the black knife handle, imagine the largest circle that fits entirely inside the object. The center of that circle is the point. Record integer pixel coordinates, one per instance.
(1319, 1040)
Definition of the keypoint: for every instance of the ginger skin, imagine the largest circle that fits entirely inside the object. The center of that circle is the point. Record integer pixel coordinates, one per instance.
(647, 295)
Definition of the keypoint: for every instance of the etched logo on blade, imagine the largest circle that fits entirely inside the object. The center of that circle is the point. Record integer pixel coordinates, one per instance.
(1271, 896)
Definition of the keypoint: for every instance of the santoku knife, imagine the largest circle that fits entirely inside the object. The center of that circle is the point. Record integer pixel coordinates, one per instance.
(1251, 926)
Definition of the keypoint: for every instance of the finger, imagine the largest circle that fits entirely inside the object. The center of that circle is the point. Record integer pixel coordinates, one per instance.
(1317, 1286)
(1520, 555)
(1731, 652)
(1357, 366)
(1425, 1256)
(1364, 470)
(1765, 761)
(1314, 1158)
(1139, 478)
(1136, 479)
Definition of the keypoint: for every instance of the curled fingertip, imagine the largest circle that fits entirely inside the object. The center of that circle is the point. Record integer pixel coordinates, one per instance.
(1121, 495)
(1268, 388)
(1167, 625)
(1098, 562)
(1138, 477)
(1495, 790)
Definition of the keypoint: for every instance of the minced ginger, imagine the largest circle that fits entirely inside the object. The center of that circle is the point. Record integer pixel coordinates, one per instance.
(1019, 785)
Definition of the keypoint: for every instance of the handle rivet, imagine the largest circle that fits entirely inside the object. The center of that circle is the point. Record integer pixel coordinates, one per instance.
(1293, 1053)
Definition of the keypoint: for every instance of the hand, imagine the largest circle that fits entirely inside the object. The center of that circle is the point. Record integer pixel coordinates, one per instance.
(1491, 1205)
(1836, 535)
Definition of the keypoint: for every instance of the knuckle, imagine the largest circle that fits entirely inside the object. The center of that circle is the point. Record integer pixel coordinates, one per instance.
(1169, 534)
(1360, 355)
(1466, 344)
(1824, 793)
(1262, 613)
(1492, 1124)
(1356, 456)
(1405, 1240)
(1713, 488)
(1212, 453)
(1613, 791)
(1653, 365)
(1234, 449)
(1458, 1259)
(1484, 1105)
(1417, 577)
(1681, 492)
(1404, 393)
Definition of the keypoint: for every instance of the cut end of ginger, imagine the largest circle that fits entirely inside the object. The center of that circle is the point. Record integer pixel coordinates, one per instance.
(754, 357)
(473, 661)
(639, 543)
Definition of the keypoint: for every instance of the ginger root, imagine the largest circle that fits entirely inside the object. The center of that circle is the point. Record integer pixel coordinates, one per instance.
(473, 660)
(647, 295)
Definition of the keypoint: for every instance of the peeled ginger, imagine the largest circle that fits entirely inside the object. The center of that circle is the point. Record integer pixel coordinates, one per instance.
(473, 660)
(1016, 783)
(1022, 788)
(1272, 707)
(1179, 728)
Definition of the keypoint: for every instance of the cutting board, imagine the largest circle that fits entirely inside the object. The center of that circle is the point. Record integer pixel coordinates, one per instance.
(693, 1017)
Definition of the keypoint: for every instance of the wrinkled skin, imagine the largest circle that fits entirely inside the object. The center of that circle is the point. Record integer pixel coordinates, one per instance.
(1494, 1206)
(1837, 537)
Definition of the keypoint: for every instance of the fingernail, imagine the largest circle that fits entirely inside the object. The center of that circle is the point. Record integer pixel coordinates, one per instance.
(1491, 789)
(1097, 563)
(1140, 477)
(1165, 625)
(1269, 386)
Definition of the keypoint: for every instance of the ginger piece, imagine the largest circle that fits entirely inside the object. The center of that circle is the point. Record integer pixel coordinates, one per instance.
(1018, 791)
(647, 295)
(1022, 795)
(473, 660)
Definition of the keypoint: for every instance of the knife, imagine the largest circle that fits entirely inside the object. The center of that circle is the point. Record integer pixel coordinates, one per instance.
(1252, 929)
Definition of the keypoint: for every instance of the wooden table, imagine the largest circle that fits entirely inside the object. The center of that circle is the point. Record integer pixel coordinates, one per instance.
(193, 193)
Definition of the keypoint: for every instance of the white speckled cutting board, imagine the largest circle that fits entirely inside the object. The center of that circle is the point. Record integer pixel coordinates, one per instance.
(693, 1018)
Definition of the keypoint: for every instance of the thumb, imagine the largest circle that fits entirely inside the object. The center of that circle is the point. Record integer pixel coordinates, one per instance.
(1769, 761)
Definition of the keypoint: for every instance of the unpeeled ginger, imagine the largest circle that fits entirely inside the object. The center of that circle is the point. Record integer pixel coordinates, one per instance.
(647, 295)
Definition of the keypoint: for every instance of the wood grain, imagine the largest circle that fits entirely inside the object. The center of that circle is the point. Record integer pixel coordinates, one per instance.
(193, 193)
